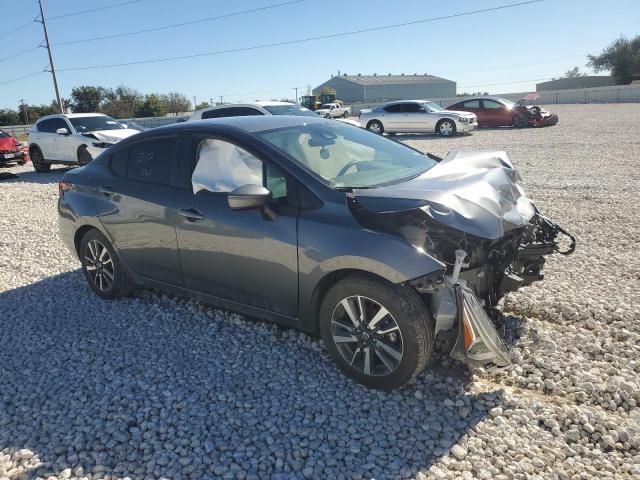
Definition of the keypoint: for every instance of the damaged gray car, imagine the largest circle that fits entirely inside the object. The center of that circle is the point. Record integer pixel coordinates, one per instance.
(316, 225)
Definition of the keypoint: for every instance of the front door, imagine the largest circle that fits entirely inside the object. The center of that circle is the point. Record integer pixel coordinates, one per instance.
(136, 207)
(245, 256)
(417, 119)
(495, 113)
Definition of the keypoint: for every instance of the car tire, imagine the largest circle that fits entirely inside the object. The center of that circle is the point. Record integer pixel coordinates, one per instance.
(388, 354)
(345, 114)
(102, 269)
(375, 126)
(519, 121)
(327, 115)
(37, 160)
(446, 128)
(84, 156)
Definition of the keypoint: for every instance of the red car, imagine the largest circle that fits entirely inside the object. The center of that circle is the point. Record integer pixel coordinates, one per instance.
(501, 112)
(11, 150)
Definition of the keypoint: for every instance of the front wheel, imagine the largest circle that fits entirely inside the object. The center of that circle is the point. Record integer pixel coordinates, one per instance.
(37, 160)
(375, 126)
(446, 128)
(84, 157)
(519, 121)
(345, 114)
(102, 269)
(379, 334)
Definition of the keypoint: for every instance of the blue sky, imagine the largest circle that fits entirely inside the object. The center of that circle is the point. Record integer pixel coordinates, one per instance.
(500, 51)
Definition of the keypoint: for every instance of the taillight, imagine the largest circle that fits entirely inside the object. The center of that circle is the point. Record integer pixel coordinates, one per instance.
(63, 187)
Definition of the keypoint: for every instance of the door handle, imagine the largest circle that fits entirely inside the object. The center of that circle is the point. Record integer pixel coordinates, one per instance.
(191, 214)
(106, 190)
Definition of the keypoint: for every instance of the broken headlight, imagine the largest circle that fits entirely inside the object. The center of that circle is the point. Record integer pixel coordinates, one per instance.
(478, 340)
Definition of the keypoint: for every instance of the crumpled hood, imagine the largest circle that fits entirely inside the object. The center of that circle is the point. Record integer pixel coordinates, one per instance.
(112, 136)
(475, 192)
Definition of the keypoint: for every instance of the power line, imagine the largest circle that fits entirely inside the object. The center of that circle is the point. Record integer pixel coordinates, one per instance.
(106, 7)
(176, 25)
(509, 82)
(20, 53)
(22, 78)
(303, 40)
(18, 28)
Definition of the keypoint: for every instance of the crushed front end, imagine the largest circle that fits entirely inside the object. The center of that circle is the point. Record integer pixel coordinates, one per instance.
(470, 213)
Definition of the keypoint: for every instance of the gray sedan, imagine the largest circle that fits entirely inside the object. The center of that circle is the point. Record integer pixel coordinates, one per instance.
(417, 116)
(316, 225)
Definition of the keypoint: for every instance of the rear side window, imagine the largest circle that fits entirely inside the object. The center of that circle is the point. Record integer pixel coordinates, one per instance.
(219, 113)
(47, 126)
(246, 111)
(397, 108)
(471, 104)
(151, 161)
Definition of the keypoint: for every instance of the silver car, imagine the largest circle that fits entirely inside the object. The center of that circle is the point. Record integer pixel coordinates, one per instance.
(417, 116)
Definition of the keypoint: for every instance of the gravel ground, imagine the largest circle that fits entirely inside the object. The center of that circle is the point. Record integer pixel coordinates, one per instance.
(158, 387)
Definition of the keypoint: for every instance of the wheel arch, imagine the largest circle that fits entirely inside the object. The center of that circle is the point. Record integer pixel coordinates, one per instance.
(325, 284)
(455, 125)
(81, 232)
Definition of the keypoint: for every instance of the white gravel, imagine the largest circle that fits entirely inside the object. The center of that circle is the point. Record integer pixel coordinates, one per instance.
(158, 387)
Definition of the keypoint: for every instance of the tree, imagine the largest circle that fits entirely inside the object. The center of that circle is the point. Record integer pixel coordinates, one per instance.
(574, 72)
(86, 99)
(621, 58)
(177, 103)
(153, 106)
(123, 102)
(202, 105)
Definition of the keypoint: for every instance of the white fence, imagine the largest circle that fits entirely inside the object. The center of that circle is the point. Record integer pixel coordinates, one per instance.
(614, 94)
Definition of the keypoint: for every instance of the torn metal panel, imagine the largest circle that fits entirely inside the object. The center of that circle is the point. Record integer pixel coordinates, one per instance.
(475, 192)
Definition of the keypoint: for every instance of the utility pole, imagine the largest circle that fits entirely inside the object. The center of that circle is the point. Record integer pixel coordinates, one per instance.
(194, 102)
(220, 99)
(211, 101)
(51, 65)
(296, 89)
(25, 109)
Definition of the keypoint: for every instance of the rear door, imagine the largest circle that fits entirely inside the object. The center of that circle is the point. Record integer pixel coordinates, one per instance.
(45, 138)
(393, 117)
(244, 256)
(136, 207)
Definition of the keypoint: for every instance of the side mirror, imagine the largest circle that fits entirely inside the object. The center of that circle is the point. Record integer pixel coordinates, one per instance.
(248, 196)
(124, 125)
(62, 131)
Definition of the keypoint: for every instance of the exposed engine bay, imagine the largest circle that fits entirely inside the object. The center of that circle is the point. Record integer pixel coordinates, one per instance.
(470, 213)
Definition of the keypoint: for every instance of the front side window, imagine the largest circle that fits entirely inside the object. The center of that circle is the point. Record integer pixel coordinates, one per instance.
(94, 124)
(472, 104)
(223, 166)
(347, 157)
(151, 161)
(4, 134)
(491, 105)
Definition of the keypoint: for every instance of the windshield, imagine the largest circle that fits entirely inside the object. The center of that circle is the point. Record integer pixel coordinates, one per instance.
(434, 107)
(289, 110)
(4, 134)
(348, 157)
(94, 124)
(327, 106)
(508, 103)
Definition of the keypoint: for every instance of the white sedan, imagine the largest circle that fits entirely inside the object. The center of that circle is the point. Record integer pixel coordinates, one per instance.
(72, 139)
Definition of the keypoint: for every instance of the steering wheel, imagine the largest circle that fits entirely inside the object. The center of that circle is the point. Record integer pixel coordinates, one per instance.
(346, 168)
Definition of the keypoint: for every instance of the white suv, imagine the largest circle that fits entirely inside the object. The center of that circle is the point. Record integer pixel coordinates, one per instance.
(73, 139)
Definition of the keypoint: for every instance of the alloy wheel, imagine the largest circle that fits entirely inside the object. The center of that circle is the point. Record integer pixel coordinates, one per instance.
(374, 127)
(446, 129)
(99, 265)
(367, 336)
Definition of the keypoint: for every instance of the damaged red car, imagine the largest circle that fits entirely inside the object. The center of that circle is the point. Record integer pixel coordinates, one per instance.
(11, 150)
(502, 112)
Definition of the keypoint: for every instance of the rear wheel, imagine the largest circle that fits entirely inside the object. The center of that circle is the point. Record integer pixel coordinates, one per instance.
(102, 269)
(446, 128)
(37, 159)
(379, 334)
(375, 126)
